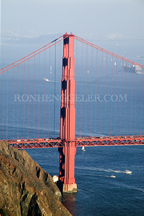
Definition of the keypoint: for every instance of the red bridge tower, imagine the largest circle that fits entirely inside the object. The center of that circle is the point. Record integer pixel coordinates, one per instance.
(67, 117)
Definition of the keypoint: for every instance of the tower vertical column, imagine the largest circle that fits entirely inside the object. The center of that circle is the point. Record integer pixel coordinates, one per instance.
(67, 118)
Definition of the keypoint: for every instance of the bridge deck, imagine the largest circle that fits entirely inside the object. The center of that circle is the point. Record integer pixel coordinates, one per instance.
(80, 141)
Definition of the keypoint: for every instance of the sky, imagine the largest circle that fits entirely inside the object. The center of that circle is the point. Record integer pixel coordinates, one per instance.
(85, 18)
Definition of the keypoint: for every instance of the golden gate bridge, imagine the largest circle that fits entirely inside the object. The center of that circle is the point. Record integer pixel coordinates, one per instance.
(34, 106)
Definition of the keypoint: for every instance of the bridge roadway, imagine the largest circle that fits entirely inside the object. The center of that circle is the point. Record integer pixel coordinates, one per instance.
(80, 141)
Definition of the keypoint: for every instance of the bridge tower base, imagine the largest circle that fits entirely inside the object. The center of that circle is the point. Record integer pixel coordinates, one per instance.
(67, 118)
(70, 188)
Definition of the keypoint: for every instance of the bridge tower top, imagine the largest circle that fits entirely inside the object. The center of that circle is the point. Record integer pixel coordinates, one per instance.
(68, 90)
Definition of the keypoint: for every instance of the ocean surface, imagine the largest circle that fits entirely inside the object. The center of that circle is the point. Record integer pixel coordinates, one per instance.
(109, 101)
(99, 194)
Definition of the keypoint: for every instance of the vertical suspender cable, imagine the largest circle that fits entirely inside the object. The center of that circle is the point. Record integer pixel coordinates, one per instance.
(24, 103)
(34, 101)
(131, 98)
(49, 94)
(28, 93)
(101, 94)
(86, 89)
(7, 109)
(111, 94)
(91, 93)
(81, 89)
(18, 103)
(142, 132)
(135, 104)
(44, 87)
(121, 119)
(116, 95)
(96, 89)
(76, 75)
(105, 101)
(54, 90)
(3, 116)
(39, 96)
(125, 103)
(13, 98)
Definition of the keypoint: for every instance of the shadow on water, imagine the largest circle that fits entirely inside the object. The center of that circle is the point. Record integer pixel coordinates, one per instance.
(69, 201)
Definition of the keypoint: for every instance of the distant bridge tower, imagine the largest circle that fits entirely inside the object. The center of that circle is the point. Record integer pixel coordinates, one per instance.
(67, 117)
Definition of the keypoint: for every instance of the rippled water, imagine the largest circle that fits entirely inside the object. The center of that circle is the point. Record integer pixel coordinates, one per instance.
(98, 193)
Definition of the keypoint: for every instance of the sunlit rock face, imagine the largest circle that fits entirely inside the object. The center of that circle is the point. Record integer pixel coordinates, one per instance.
(25, 188)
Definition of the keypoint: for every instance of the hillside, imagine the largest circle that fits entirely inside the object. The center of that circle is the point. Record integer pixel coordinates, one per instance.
(25, 188)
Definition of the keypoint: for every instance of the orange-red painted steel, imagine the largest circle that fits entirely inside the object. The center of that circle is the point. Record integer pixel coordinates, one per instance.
(47, 46)
(79, 142)
(108, 52)
(67, 142)
(33, 54)
(67, 118)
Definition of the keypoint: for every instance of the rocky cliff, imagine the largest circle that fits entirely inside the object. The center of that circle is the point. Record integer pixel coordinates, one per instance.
(25, 188)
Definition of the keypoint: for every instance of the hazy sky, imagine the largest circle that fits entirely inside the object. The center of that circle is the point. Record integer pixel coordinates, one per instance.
(88, 18)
